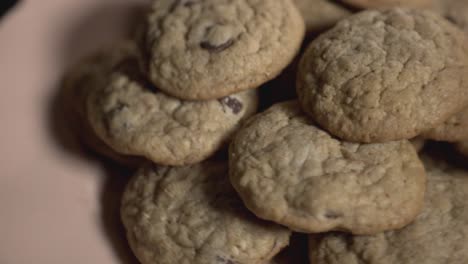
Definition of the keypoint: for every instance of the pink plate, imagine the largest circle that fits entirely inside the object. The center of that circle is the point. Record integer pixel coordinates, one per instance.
(57, 203)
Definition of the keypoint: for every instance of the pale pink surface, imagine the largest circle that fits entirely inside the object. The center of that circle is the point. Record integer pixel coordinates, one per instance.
(50, 199)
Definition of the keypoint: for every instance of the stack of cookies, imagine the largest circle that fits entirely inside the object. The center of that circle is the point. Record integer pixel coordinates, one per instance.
(340, 162)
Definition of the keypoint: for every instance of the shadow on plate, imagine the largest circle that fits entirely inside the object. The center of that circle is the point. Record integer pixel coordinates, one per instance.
(113, 188)
(446, 152)
(102, 26)
(296, 252)
(7, 5)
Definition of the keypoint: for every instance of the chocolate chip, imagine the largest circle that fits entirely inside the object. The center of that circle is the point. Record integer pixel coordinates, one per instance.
(333, 215)
(231, 102)
(119, 107)
(112, 113)
(222, 260)
(451, 19)
(216, 48)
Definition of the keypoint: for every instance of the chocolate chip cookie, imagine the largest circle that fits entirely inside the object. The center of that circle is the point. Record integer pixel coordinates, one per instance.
(385, 75)
(453, 130)
(388, 3)
(321, 14)
(438, 235)
(289, 171)
(134, 118)
(83, 77)
(192, 215)
(213, 48)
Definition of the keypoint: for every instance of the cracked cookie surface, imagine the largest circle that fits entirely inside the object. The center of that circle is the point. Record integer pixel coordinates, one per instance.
(320, 14)
(192, 215)
(212, 48)
(385, 75)
(438, 235)
(289, 171)
(135, 118)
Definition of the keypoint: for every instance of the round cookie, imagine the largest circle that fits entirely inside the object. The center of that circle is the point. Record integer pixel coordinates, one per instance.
(289, 171)
(192, 215)
(385, 75)
(83, 77)
(209, 49)
(388, 3)
(453, 130)
(134, 118)
(438, 235)
(320, 14)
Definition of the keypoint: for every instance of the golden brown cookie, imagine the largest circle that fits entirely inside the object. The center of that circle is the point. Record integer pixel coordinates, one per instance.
(192, 215)
(210, 49)
(83, 77)
(291, 172)
(438, 235)
(385, 75)
(134, 118)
